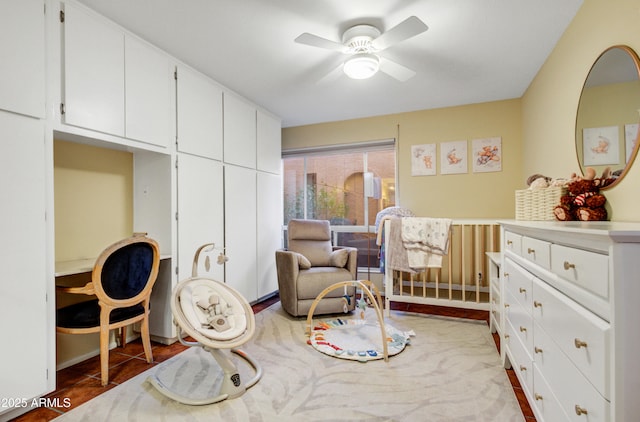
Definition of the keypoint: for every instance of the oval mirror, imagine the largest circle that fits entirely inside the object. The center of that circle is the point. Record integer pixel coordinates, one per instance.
(609, 113)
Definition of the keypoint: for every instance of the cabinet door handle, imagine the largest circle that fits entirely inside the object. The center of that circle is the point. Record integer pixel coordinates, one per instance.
(537, 396)
(580, 410)
(537, 304)
(531, 250)
(522, 290)
(568, 265)
(523, 329)
(579, 343)
(537, 350)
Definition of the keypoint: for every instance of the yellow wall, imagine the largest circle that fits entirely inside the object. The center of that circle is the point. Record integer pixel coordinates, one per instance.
(538, 130)
(549, 105)
(470, 195)
(93, 199)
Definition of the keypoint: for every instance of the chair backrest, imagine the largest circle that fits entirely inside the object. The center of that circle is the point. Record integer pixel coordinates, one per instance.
(311, 238)
(125, 272)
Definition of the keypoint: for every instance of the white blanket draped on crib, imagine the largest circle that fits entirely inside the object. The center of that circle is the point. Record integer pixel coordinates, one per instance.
(426, 240)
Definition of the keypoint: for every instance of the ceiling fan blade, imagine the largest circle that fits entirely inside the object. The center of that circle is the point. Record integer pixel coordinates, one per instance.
(316, 41)
(406, 29)
(395, 70)
(332, 76)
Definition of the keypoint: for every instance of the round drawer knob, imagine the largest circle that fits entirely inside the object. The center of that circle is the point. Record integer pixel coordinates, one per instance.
(537, 304)
(509, 242)
(531, 250)
(523, 329)
(579, 343)
(505, 274)
(522, 290)
(580, 410)
(537, 350)
(506, 336)
(537, 396)
(523, 368)
(568, 265)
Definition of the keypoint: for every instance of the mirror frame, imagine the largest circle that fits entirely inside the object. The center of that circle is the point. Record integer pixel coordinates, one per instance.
(636, 60)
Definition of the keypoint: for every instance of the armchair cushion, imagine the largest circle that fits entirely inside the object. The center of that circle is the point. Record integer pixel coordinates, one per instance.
(303, 262)
(339, 258)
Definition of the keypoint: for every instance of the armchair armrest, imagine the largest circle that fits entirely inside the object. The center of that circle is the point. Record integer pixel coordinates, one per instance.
(352, 260)
(287, 269)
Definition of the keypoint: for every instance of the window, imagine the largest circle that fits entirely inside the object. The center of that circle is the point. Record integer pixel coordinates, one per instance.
(329, 184)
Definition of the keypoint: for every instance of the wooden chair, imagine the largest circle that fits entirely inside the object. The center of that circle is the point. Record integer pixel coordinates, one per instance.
(122, 279)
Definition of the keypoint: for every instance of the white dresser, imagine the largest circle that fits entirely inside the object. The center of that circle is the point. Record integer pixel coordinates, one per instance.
(571, 309)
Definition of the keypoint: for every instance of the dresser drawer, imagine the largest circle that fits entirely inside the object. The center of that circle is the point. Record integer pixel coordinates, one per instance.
(519, 358)
(521, 321)
(573, 391)
(580, 334)
(518, 281)
(537, 251)
(547, 405)
(589, 270)
(513, 243)
(496, 307)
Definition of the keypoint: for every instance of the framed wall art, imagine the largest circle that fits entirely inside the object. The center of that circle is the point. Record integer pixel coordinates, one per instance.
(600, 145)
(453, 157)
(423, 160)
(630, 138)
(487, 154)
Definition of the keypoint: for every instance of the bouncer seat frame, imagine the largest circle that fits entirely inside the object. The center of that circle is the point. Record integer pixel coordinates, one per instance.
(238, 327)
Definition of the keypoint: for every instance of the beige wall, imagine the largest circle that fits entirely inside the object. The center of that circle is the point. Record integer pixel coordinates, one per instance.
(549, 105)
(538, 131)
(480, 195)
(93, 199)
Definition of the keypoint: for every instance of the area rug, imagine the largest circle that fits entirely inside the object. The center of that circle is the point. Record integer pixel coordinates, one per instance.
(451, 371)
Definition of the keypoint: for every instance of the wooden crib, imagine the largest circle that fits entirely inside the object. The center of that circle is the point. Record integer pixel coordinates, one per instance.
(461, 282)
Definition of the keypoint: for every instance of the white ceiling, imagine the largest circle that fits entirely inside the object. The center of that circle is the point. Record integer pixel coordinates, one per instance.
(474, 51)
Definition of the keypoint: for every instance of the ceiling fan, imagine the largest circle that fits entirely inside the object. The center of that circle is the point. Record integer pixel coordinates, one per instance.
(363, 43)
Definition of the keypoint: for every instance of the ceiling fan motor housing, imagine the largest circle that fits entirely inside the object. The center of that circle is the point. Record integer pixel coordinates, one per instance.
(358, 38)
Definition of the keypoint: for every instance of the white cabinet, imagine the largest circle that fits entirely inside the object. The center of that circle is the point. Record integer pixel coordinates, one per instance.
(93, 72)
(200, 211)
(239, 132)
(240, 207)
(571, 317)
(269, 230)
(25, 286)
(199, 114)
(496, 323)
(22, 47)
(269, 143)
(149, 81)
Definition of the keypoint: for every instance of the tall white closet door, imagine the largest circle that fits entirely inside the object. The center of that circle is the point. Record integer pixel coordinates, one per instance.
(240, 230)
(93, 72)
(200, 211)
(149, 81)
(269, 231)
(24, 311)
(239, 132)
(199, 109)
(22, 47)
(269, 143)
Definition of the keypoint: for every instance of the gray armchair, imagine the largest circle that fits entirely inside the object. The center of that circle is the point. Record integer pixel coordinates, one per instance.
(311, 264)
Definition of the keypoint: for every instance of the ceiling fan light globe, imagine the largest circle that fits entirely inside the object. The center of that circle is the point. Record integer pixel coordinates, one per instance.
(361, 66)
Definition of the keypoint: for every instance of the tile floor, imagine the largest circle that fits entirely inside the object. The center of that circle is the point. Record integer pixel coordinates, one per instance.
(80, 383)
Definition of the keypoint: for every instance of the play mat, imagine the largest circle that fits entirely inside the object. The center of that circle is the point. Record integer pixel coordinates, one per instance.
(361, 338)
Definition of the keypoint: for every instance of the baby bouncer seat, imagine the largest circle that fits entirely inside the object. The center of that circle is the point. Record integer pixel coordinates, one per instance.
(220, 320)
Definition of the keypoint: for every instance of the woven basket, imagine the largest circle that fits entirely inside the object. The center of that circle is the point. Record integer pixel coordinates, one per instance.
(538, 204)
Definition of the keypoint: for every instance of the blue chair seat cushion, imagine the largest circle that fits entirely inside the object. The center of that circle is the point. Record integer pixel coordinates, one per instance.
(87, 314)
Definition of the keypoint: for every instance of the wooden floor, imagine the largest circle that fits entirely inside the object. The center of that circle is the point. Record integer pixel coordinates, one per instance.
(81, 382)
